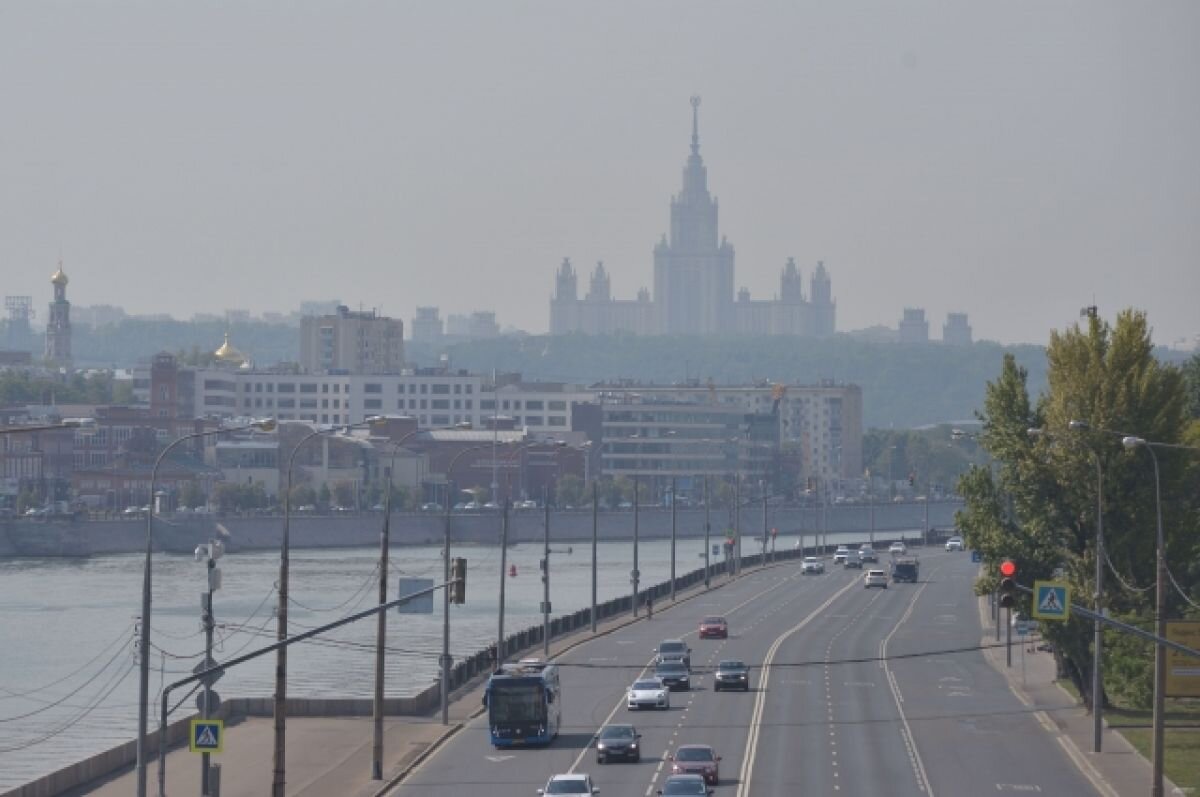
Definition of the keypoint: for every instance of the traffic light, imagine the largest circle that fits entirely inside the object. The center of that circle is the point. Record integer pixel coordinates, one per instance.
(458, 580)
(1008, 585)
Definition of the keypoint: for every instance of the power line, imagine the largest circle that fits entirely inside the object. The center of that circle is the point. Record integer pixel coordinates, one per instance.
(11, 694)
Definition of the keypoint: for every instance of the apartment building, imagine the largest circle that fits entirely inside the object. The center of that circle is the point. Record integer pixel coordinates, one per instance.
(351, 342)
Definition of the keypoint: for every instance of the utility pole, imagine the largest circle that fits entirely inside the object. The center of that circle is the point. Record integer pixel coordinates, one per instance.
(673, 501)
(595, 536)
(737, 524)
(707, 531)
(500, 652)
(634, 576)
(762, 487)
(381, 638)
(208, 700)
(546, 575)
(445, 657)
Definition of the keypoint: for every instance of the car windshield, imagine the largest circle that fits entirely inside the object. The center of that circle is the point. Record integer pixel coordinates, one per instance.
(694, 754)
(714, 620)
(810, 559)
(617, 732)
(731, 665)
(573, 786)
(516, 703)
(647, 685)
(672, 647)
(685, 786)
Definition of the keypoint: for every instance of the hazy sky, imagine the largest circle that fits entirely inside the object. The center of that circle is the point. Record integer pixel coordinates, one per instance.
(1012, 160)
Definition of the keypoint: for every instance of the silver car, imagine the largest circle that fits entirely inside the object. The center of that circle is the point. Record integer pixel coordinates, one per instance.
(648, 693)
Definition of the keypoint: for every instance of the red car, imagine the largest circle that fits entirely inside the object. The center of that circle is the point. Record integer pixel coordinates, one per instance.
(714, 628)
(697, 759)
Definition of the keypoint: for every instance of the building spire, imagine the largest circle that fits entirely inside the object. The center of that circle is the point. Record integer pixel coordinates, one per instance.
(695, 124)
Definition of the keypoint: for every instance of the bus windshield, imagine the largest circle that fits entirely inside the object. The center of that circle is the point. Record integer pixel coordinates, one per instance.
(517, 703)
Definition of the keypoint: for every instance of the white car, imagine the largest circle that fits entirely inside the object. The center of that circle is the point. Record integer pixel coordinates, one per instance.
(867, 553)
(898, 548)
(875, 578)
(569, 784)
(812, 564)
(648, 693)
(954, 544)
(839, 556)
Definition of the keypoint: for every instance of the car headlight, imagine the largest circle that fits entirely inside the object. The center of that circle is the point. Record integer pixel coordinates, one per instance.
(633, 746)
(600, 745)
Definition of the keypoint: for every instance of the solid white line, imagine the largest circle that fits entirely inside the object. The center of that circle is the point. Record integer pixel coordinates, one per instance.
(910, 741)
(747, 769)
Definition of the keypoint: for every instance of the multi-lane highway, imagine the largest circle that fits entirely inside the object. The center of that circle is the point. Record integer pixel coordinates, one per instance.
(859, 697)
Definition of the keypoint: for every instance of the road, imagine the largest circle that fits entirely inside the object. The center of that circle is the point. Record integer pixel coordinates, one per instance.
(831, 717)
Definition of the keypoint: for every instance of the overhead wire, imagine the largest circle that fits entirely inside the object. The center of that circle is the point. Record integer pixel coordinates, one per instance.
(11, 694)
(60, 701)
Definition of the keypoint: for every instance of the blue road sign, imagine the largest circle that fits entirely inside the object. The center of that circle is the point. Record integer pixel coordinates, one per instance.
(976, 557)
(206, 736)
(1051, 600)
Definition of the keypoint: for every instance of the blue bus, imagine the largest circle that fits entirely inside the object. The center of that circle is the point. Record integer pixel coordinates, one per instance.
(523, 703)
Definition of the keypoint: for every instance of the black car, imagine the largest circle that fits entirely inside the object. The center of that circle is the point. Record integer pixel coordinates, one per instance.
(673, 649)
(731, 674)
(618, 741)
(673, 675)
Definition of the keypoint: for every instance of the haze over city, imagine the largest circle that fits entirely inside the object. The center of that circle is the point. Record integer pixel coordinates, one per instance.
(1014, 162)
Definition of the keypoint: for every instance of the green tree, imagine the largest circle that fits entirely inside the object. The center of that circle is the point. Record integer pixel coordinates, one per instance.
(568, 491)
(343, 494)
(324, 496)
(1191, 378)
(1039, 507)
(190, 495)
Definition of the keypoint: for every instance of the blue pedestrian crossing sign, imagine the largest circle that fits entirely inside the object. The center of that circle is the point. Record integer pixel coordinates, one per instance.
(206, 736)
(976, 557)
(1051, 600)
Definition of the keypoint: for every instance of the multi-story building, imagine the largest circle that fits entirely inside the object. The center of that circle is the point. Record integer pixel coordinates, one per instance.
(913, 326)
(540, 407)
(693, 281)
(956, 331)
(427, 327)
(351, 342)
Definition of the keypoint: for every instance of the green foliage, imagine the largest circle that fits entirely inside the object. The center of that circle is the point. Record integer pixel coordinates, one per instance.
(230, 497)
(303, 495)
(568, 491)
(1040, 508)
(1191, 378)
(133, 339)
(191, 496)
(23, 387)
(932, 456)
(343, 495)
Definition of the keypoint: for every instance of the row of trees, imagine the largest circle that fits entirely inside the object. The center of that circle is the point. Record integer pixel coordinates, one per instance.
(25, 387)
(1039, 506)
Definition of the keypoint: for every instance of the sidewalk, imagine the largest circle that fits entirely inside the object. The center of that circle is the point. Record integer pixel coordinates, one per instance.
(1118, 769)
(332, 755)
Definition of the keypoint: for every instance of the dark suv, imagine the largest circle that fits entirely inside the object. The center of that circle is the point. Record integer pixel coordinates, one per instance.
(731, 674)
(618, 741)
(675, 649)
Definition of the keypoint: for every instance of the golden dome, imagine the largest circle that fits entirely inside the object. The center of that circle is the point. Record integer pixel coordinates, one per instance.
(59, 277)
(228, 354)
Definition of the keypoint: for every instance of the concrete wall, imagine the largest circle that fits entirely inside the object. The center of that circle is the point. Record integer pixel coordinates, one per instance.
(91, 538)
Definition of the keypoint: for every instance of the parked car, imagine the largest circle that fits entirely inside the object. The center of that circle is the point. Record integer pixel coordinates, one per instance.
(714, 627)
(954, 544)
(875, 578)
(430, 507)
(731, 674)
(569, 784)
(618, 741)
(648, 693)
(697, 759)
(812, 565)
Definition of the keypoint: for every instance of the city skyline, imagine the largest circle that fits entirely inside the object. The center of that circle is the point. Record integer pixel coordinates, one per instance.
(188, 160)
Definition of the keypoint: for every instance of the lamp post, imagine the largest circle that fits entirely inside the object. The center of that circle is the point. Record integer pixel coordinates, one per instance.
(1160, 622)
(144, 645)
(445, 657)
(279, 754)
(1097, 596)
(673, 502)
(707, 531)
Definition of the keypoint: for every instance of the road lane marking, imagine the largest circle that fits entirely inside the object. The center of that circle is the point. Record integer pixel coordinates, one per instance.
(906, 733)
(744, 776)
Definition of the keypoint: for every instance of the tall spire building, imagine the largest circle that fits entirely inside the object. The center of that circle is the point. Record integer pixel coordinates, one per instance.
(693, 281)
(58, 323)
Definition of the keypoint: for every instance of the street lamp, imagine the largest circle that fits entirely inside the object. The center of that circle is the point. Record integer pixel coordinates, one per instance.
(1097, 596)
(445, 657)
(279, 770)
(144, 645)
(1160, 622)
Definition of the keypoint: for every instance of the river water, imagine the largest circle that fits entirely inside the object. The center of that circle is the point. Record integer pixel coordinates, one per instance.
(68, 667)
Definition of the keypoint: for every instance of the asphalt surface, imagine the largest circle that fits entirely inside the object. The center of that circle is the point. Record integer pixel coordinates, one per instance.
(935, 723)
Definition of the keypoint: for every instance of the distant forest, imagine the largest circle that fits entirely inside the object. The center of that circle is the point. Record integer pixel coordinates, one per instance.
(904, 386)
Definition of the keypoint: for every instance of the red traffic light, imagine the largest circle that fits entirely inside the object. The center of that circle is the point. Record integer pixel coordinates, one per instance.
(1008, 568)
